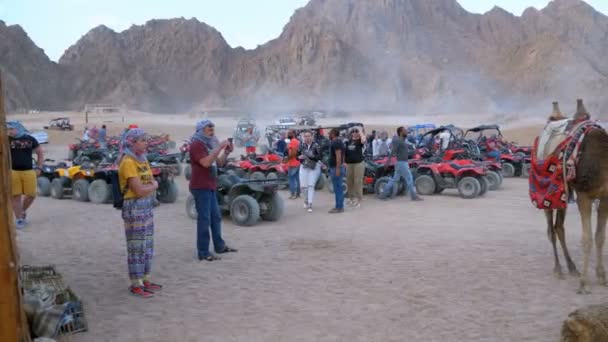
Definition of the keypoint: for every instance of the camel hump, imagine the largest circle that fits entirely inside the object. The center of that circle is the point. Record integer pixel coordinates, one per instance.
(586, 324)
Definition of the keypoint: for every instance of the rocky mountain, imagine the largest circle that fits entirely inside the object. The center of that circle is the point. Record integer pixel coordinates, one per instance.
(406, 55)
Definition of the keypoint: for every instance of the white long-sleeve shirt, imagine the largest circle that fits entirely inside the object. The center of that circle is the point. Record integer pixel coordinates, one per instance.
(376, 146)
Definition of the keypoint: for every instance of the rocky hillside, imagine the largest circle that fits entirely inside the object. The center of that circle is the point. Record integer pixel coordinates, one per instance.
(407, 55)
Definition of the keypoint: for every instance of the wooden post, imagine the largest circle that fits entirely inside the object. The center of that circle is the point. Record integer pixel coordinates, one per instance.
(12, 322)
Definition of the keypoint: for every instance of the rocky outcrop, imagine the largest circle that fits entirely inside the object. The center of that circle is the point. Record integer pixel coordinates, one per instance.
(405, 55)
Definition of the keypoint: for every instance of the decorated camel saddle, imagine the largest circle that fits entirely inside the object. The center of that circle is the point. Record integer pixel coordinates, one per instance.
(555, 155)
(554, 158)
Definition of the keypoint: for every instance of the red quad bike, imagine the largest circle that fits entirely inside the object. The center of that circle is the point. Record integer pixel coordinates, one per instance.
(513, 165)
(459, 152)
(74, 149)
(470, 180)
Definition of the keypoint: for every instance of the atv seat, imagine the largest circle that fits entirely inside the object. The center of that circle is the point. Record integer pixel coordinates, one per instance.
(459, 167)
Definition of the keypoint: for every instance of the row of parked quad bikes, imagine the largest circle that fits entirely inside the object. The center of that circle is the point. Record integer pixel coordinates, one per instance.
(463, 165)
(90, 171)
(247, 187)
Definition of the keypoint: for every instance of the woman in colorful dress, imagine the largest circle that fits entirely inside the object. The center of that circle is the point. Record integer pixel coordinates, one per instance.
(135, 177)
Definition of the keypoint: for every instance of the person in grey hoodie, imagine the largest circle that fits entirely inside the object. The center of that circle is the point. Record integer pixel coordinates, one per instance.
(399, 150)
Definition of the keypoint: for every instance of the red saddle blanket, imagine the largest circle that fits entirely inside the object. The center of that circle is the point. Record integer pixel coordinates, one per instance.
(548, 181)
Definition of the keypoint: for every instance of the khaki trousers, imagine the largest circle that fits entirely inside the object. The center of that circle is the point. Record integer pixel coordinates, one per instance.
(354, 180)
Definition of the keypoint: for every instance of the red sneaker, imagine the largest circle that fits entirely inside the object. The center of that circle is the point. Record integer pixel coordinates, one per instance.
(151, 287)
(140, 292)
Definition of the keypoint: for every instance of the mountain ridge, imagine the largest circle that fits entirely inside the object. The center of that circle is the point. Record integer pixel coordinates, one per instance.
(405, 55)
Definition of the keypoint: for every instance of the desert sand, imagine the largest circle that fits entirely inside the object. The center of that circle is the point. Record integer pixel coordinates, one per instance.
(445, 269)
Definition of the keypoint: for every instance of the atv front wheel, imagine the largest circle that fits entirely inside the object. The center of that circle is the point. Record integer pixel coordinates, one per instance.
(495, 180)
(188, 171)
(425, 185)
(100, 192)
(168, 192)
(321, 181)
(508, 170)
(272, 176)
(80, 190)
(58, 186)
(525, 171)
(191, 208)
(469, 187)
(257, 176)
(380, 188)
(485, 185)
(245, 211)
(271, 207)
(44, 186)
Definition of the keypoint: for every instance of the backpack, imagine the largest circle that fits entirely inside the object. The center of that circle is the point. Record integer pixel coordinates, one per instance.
(117, 193)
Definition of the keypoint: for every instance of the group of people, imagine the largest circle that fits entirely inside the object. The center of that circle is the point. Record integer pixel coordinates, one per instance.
(207, 154)
(346, 162)
(98, 135)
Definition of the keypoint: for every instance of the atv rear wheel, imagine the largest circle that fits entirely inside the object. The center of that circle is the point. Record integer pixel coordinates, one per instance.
(188, 171)
(508, 170)
(80, 190)
(485, 185)
(469, 187)
(100, 192)
(495, 180)
(425, 185)
(71, 155)
(43, 185)
(272, 207)
(380, 188)
(245, 211)
(321, 181)
(168, 192)
(191, 208)
(58, 186)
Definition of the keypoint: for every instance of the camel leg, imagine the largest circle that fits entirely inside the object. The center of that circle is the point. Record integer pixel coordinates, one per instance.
(600, 238)
(557, 269)
(561, 234)
(584, 207)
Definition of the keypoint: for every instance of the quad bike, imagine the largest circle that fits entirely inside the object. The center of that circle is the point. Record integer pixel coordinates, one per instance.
(470, 180)
(75, 149)
(47, 174)
(73, 181)
(245, 200)
(513, 164)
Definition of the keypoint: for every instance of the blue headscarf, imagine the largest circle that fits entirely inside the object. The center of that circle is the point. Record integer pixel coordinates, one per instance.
(128, 144)
(210, 142)
(18, 126)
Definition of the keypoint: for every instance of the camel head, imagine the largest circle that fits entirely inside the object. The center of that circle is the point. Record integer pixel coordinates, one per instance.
(557, 114)
(581, 112)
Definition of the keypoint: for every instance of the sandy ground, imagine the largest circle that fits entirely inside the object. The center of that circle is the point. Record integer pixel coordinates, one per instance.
(445, 269)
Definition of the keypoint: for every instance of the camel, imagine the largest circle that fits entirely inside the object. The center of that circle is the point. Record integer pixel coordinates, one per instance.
(590, 184)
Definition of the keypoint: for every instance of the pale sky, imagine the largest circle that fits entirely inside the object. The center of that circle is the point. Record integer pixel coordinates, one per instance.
(54, 25)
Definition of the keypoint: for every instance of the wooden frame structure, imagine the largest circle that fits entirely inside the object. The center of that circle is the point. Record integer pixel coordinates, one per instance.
(13, 324)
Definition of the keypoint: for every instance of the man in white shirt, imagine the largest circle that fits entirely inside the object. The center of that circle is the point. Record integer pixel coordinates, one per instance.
(382, 145)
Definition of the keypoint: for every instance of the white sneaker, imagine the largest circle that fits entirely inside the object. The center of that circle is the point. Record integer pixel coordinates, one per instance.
(310, 209)
(306, 205)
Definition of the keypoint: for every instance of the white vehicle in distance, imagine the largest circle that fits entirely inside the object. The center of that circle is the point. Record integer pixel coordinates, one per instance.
(41, 136)
(286, 121)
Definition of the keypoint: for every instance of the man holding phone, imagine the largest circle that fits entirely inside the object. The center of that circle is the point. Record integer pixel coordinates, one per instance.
(206, 153)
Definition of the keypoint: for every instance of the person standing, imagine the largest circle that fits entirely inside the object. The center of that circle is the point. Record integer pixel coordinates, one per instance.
(310, 168)
(293, 164)
(382, 145)
(206, 153)
(355, 167)
(85, 135)
(135, 176)
(23, 174)
(402, 168)
(102, 137)
(337, 169)
(250, 141)
(281, 148)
